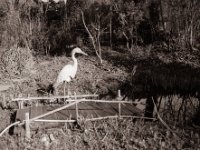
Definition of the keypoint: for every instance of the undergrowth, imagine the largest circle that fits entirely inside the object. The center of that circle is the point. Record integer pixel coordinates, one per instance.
(108, 134)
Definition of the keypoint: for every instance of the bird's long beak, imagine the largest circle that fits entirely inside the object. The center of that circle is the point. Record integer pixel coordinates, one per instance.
(84, 53)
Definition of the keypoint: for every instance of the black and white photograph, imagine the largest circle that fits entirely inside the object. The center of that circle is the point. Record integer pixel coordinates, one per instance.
(99, 75)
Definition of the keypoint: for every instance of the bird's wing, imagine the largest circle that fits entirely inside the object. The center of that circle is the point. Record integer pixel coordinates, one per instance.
(71, 68)
(68, 72)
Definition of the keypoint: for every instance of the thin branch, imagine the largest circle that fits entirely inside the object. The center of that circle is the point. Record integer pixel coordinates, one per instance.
(134, 70)
(161, 120)
(122, 116)
(94, 41)
(95, 27)
(90, 34)
(93, 119)
(8, 127)
(125, 35)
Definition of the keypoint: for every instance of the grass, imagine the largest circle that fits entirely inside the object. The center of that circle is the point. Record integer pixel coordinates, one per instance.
(105, 134)
(108, 134)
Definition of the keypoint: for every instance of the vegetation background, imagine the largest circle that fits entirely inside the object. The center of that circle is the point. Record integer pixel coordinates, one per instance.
(35, 37)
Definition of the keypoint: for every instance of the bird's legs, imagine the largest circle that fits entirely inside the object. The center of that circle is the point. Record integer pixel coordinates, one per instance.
(68, 86)
(64, 91)
(68, 89)
(64, 87)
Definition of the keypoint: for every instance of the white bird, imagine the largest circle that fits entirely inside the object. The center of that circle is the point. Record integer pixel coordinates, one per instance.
(68, 72)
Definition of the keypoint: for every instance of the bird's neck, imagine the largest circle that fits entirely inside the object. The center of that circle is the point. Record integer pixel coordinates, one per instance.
(74, 59)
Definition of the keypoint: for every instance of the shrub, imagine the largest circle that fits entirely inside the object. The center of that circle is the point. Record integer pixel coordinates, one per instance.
(17, 61)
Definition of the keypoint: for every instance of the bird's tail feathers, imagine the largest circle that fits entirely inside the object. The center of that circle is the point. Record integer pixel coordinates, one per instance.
(51, 88)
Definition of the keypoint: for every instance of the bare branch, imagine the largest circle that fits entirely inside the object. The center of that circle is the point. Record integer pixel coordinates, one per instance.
(95, 40)
(90, 34)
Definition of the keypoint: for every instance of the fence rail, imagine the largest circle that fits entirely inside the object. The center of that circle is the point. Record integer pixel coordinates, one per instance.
(51, 97)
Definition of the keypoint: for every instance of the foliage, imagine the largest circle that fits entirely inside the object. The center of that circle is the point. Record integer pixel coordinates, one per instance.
(184, 21)
(128, 17)
(50, 28)
(98, 19)
(107, 134)
(16, 62)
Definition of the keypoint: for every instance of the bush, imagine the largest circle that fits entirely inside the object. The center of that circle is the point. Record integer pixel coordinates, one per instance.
(17, 61)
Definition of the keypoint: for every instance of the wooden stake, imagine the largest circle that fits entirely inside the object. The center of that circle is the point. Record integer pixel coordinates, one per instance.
(119, 94)
(20, 103)
(77, 115)
(119, 108)
(119, 104)
(29, 103)
(4, 101)
(36, 103)
(27, 126)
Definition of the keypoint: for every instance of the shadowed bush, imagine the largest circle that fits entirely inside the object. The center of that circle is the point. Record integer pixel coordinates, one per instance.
(154, 78)
(157, 78)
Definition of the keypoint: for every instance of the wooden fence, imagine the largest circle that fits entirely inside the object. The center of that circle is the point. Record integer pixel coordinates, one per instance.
(70, 101)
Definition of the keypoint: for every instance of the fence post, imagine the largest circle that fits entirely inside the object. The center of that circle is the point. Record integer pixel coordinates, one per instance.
(119, 104)
(4, 101)
(77, 115)
(27, 125)
(29, 102)
(20, 103)
(11, 96)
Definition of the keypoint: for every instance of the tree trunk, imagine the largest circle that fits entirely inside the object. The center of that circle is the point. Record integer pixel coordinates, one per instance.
(111, 27)
(150, 106)
(196, 118)
(191, 34)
